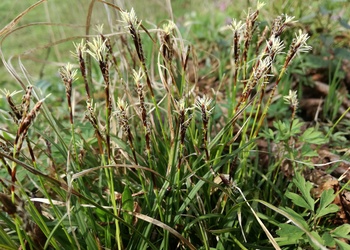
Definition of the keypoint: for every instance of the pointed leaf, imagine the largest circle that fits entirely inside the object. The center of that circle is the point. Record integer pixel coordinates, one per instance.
(342, 231)
(305, 188)
(332, 208)
(342, 245)
(289, 234)
(312, 136)
(326, 207)
(298, 200)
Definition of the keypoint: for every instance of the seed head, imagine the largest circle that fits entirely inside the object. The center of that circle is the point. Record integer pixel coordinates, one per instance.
(299, 43)
(130, 19)
(68, 74)
(236, 26)
(80, 49)
(169, 27)
(260, 5)
(288, 19)
(203, 104)
(275, 46)
(7, 93)
(263, 67)
(137, 75)
(97, 48)
(122, 107)
(292, 99)
(99, 28)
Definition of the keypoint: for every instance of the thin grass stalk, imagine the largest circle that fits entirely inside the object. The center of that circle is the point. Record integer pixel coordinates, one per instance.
(203, 104)
(133, 25)
(23, 126)
(237, 29)
(18, 222)
(104, 67)
(248, 35)
(144, 119)
(80, 51)
(123, 120)
(22, 132)
(98, 50)
(337, 122)
(298, 45)
(260, 102)
(68, 76)
(168, 50)
(111, 53)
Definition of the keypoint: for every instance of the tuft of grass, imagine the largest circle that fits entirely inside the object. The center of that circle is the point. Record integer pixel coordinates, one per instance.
(136, 156)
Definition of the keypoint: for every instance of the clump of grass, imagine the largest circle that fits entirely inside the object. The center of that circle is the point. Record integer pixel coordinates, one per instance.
(150, 167)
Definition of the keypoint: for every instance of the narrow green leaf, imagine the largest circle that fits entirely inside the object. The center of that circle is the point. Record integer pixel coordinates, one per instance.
(128, 204)
(342, 245)
(5, 239)
(296, 218)
(316, 236)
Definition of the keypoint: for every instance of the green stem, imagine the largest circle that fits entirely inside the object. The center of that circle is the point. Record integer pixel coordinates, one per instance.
(337, 122)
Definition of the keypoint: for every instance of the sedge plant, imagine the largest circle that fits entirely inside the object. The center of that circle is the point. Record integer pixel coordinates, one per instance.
(145, 164)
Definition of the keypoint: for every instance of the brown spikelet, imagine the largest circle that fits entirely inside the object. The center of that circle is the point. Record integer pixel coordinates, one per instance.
(124, 124)
(132, 25)
(68, 76)
(262, 38)
(250, 27)
(110, 52)
(25, 124)
(15, 113)
(144, 117)
(26, 100)
(80, 50)
(91, 117)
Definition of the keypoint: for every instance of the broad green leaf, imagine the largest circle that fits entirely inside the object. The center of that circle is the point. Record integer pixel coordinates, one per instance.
(312, 136)
(296, 126)
(327, 197)
(289, 234)
(328, 240)
(342, 231)
(332, 208)
(307, 151)
(305, 188)
(128, 204)
(326, 207)
(298, 200)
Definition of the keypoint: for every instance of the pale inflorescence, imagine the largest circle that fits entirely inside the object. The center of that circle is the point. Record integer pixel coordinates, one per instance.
(292, 99)
(97, 48)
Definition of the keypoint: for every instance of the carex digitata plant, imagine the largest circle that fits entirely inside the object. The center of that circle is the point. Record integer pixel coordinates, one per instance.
(147, 165)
